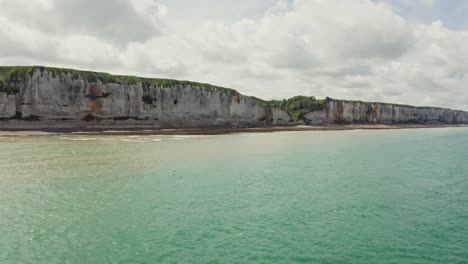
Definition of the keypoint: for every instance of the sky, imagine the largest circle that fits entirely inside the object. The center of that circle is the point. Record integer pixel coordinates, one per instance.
(399, 51)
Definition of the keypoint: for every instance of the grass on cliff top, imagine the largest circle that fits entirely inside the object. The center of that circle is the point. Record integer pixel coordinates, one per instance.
(12, 74)
(299, 106)
(16, 73)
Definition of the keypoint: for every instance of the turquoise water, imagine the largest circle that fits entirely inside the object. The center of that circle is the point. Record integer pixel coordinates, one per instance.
(392, 196)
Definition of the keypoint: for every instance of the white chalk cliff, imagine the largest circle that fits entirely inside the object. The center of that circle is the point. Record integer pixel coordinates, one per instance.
(42, 98)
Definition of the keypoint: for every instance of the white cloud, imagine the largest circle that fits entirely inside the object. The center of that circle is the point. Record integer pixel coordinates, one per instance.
(344, 49)
(115, 21)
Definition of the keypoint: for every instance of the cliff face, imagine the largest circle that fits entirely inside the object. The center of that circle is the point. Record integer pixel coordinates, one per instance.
(352, 112)
(46, 100)
(56, 98)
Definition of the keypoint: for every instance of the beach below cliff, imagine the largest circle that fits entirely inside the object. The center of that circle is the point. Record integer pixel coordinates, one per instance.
(209, 130)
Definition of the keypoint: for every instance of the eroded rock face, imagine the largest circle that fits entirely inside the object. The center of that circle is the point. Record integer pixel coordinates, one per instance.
(45, 100)
(351, 112)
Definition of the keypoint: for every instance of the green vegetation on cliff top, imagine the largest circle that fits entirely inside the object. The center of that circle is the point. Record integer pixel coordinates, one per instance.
(12, 74)
(298, 106)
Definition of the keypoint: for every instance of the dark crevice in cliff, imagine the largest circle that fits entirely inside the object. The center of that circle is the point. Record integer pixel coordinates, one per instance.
(19, 116)
(103, 95)
(124, 118)
(237, 98)
(91, 118)
(8, 89)
(94, 118)
(31, 118)
(268, 117)
(61, 119)
(148, 99)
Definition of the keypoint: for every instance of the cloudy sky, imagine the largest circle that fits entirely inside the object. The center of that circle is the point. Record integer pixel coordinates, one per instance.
(403, 51)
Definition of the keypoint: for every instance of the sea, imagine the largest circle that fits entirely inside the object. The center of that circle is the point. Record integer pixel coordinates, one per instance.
(357, 196)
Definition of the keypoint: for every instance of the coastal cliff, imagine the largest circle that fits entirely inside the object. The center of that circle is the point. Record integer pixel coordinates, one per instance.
(59, 98)
(48, 98)
(356, 112)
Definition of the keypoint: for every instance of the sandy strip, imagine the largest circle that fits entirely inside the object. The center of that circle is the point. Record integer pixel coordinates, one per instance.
(26, 133)
(213, 130)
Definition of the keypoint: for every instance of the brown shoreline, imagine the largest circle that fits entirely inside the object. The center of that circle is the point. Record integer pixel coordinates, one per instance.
(209, 130)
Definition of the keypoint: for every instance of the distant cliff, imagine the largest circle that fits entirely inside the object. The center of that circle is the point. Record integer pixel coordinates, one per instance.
(40, 97)
(310, 111)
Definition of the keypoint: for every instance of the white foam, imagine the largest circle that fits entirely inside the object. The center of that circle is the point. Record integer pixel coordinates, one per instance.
(80, 139)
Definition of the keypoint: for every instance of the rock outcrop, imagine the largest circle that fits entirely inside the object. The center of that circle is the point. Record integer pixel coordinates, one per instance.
(50, 98)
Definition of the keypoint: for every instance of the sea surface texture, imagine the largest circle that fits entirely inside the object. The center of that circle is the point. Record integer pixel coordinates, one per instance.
(389, 196)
